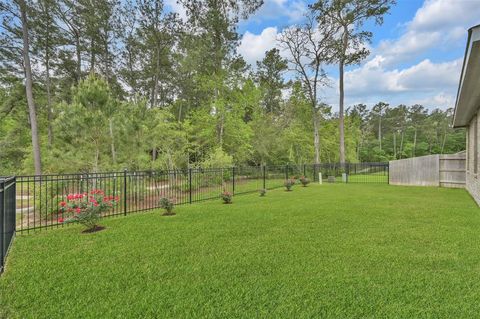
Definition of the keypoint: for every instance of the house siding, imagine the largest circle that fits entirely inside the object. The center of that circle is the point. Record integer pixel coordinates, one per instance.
(473, 158)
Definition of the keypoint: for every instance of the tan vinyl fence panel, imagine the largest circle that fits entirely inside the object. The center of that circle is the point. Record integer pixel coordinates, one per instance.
(430, 170)
(452, 170)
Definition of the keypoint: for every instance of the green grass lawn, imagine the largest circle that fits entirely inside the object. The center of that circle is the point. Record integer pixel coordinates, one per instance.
(339, 251)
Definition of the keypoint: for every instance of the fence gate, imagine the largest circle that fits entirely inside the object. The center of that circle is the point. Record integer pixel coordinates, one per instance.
(7, 217)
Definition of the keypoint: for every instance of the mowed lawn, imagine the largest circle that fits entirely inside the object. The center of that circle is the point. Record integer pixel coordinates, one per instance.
(339, 251)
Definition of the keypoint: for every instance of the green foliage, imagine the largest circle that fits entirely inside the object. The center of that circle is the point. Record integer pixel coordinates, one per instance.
(218, 159)
(86, 208)
(227, 197)
(178, 94)
(304, 181)
(289, 184)
(168, 205)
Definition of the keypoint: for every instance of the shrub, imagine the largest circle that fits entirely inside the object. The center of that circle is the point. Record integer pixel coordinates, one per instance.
(263, 192)
(218, 158)
(86, 208)
(227, 197)
(289, 184)
(305, 181)
(167, 204)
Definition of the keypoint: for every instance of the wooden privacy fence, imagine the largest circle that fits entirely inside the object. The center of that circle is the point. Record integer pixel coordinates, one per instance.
(431, 170)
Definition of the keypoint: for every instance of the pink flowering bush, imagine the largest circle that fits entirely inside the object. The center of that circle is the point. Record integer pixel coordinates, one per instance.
(86, 208)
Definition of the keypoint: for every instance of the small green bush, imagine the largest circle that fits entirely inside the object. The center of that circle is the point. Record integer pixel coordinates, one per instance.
(168, 205)
(263, 192)
(227, 197)
(289, 184)
(305, 181)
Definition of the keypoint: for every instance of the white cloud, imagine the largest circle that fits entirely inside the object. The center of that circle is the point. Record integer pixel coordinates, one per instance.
(441, 100)
(373, 78)
(291, 11)
(435, 15)
(253, 47)
(427, 83)
(438, 23)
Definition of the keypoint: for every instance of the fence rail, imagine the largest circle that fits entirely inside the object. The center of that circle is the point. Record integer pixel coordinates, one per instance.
(7, 217)
(38, 197)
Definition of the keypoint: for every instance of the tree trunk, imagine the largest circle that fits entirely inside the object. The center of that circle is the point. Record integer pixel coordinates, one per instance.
(97, 157)
(359, 145)
(79, 57)
(316, 136)
(341, 120)
(155, 79)
(340, 114)
(49, 97)
(112, 141)
(221, 129)
(29, 89)
(401, 143)
(444, 140)
(107, 58)
(395, 145)
(92, 56)
(380, 131)
(414, 143)
(180, 108)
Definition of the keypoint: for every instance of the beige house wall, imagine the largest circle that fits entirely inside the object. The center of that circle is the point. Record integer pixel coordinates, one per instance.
(473, 158)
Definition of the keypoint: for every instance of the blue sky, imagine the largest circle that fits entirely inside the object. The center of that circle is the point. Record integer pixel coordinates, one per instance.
(416, 55)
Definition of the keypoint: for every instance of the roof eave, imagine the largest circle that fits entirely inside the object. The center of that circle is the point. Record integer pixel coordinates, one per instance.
(468, 49)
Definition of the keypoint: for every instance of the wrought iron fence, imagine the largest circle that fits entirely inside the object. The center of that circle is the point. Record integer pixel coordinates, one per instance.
(352, 172)
(38, 197)
(7, 217)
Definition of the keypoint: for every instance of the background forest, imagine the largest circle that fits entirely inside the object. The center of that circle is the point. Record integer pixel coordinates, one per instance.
(127, 84)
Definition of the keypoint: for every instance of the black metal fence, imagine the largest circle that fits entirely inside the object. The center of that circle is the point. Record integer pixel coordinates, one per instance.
(7, 217)
(38, 197)
(352, 172)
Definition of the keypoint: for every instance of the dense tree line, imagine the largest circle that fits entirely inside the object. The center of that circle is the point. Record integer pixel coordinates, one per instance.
(99, 85)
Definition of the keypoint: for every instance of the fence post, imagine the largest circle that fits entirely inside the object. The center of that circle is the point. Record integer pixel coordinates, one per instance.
(7, 217)
(264, 178)
(125, 192)
(388, 172)
(190, 185)
(305, 170)
(286, 172)
(233, 180)
(2, 222)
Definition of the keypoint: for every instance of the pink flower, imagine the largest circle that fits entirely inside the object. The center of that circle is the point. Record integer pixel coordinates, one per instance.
(78, 210)
(60, 220)
(63, 204)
